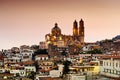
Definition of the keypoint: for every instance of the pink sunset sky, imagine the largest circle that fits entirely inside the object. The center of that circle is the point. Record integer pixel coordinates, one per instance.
(27, 21)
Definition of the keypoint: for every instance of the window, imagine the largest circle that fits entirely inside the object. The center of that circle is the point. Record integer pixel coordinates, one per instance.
(107, 64)
(110, 63)
(113, 71)
(113, 64)
(45, 58)
(104, 63)
(116, 64)
(107, 70)
(110, 70)
(116, 72)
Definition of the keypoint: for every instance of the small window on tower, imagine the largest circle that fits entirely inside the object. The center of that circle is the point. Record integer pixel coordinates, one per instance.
(82, 33)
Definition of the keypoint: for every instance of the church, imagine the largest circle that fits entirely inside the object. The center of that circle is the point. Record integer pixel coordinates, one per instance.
(58, 39)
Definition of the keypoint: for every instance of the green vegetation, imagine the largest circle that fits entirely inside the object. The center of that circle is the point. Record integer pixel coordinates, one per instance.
(95, 51)
(66, 67)
(41, 51)
(31, 75)
(17, 75)
(105, 41)
(63, 53)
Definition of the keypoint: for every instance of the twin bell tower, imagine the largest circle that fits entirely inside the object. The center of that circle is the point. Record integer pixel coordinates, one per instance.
(79, 31)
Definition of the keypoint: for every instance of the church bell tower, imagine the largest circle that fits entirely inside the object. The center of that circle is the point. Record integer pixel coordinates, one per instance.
(75, 28)
(81, 31)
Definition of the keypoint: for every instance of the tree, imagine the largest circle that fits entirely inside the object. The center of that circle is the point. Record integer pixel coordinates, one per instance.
(66, 67)
(95, 51)
(17, 75)
(64, 53)
(41, 51)
(31, 75)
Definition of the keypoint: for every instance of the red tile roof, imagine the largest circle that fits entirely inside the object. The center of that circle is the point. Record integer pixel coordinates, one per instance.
(28, 62)
(6, 74)
(110, 56)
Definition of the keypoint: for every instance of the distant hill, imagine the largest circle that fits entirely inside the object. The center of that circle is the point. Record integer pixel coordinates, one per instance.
(108, 45)
(116, 38)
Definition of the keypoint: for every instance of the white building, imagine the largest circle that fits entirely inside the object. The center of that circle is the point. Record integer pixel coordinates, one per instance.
(2, 70)
(57, 73)
(11, 62)
(20, 72)
(90, 46)
(27, 55)
(52, 73)
(110, 66)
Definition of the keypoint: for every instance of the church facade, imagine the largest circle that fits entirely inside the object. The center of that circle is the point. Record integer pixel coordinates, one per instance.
(58, 39)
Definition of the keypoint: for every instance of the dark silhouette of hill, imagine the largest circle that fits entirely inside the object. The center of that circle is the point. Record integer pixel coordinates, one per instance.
(108, 45)
(116, 38)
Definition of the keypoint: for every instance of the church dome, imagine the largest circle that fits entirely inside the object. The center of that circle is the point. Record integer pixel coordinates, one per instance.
(56, 30)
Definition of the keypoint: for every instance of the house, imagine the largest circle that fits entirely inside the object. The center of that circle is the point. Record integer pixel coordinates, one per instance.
(29, 66)
(41, 57)
(90, 46)
(11, 62)
(20, 72)
(27, 55)
(110, 66)
(2, 70)
(53, 74)
(57, 73)
(1, 60)
(44, 67)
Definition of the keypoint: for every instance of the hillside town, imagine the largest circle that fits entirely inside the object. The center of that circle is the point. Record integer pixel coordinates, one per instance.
(63, 57)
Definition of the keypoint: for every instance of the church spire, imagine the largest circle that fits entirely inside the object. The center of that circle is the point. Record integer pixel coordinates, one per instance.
(81, 30)
(81, 23)
(75, 28)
